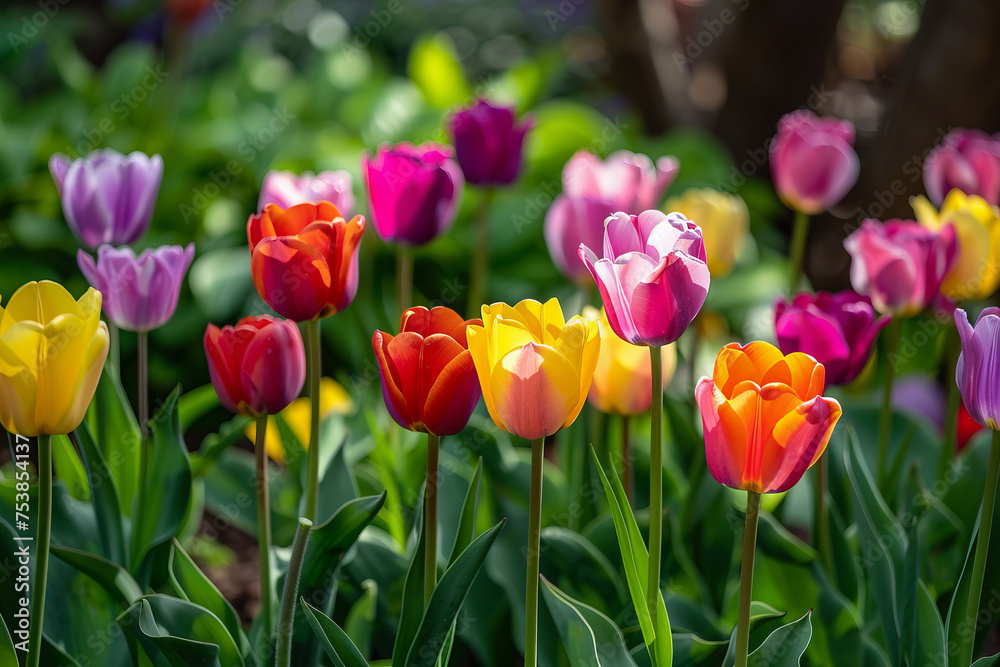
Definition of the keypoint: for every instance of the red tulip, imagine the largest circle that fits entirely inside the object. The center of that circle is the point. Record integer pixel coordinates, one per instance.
(304, 260)
(257, 367)
(429, 382)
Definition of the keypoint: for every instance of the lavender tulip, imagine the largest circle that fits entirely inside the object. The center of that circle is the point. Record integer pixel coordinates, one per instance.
(571, 222)
(488, 143)
(140, 293)
(631, 181)
(653, 277)
(838, 330)
(413, 191)
(107, 197)
(976, 371)
(286, 189)
(967, 160)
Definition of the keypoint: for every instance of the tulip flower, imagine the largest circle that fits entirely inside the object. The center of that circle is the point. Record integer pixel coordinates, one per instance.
(413, 191)
(140, 293)
(975, 273)
(967, 160)
(899, 264)
(285, 189)
(765, 423)
(428, 379)
(107, 197)
(534, 369)
(724, 221)
(632, 182)
(52, 351)
(257, 367)
(653, 277)
(430, 385)
(488, 143)
(976, 376)
(838, 330)
(569, 223)
(813, 162)
(304, 260)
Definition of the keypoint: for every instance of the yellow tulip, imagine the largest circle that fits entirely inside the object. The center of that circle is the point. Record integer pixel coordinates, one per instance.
(534, 367)
(623, 377)
(975, 273)
(333, 399)
(724, 221)
(52, 351)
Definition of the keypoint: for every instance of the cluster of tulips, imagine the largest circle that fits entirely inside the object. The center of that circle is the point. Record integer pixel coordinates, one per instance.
(765, 417)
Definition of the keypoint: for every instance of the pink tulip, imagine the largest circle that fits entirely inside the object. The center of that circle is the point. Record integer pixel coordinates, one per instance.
(286, 189)
(571, 222)
(900, 264)
(628, 180)
(813, 162)
(968, 160)
(653, 277)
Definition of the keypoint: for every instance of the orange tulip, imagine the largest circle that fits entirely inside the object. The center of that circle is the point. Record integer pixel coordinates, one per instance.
(765, 419)
(304, 260)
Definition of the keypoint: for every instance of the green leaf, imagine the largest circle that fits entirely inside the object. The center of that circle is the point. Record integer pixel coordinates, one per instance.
(330, 541)
(69, 468)
(930, 638)
(412, 612)
(467, 522)
(784, 647)
(447, 599)
(991, 661)
(168, 490)
(337, 485)
(590, 638)
(180, 633)
(116, 432)
(361, 618)
(192, 585)
(104, 493)
(7, 653)
(882, 543)
(113, 578)
(195, 403)
(335, 642)
(435, 69)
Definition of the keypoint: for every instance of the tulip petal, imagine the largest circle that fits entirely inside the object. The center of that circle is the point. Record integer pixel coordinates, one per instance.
(726, 433)
(453, 396)
(535, 389)
(799, 439)
(291, 276)
(479, 348)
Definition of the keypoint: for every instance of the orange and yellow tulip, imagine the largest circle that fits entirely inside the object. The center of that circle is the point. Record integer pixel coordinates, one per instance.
(534, 367)
(766, 421)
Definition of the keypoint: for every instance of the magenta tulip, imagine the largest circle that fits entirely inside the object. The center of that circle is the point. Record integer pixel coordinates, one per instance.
(286, 189)
(488, 143)
(413, 191)
(630, 181)
(571, 222)
(968, 160)
(140, 293)
(813, 163)
(900, 264)
(838, 330)
(653, 277)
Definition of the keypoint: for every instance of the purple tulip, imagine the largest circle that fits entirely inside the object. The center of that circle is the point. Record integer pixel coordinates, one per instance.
(628, 180)
(286, 189)
(653, 277)
(900, 264)
(412, 191)
(107, 197)
(976, 373)
(571, 222)
(813, 163)
(488, 143)
(140, 293)
(838, 330)
(968, 160)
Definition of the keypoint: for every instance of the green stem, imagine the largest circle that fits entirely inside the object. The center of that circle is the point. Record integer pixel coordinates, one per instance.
(404, 276)
(312, 475)
(264, 530)
(886, 420)
(800, 234)
(746, 578)
(142, 358)
(114, 356)
(627, 471)
(982, 551)
(480, 255)
(821, 518)
(430, 517)
(534, 547)
(953, 348)
(286, 615)
(655, 484)
(44, 533)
